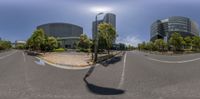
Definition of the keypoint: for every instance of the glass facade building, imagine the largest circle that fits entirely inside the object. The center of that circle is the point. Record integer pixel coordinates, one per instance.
(163, 29)
(67, 34)
(109, 18)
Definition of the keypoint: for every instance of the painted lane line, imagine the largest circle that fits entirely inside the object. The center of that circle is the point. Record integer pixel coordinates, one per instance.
(174, 62)
(123, 73)
(40, 62)
(24, 56)
(2, 57)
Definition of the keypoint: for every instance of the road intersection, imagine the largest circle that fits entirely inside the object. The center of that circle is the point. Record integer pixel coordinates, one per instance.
(133, 76)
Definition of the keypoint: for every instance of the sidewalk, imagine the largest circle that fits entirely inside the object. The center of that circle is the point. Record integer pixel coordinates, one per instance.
(73, 59)
(69, 59)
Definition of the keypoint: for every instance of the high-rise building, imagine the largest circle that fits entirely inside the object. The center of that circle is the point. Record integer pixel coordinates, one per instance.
(163, 29)
(109, 18)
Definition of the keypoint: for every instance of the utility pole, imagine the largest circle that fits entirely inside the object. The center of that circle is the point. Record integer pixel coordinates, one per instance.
(96, 39)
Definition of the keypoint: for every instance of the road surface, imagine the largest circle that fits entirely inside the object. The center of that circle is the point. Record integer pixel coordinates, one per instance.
(136, 75)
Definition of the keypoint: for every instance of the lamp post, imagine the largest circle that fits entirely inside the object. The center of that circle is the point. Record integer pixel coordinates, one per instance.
(96, 39)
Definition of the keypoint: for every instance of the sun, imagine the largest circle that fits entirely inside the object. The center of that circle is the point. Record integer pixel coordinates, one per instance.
(100, 9)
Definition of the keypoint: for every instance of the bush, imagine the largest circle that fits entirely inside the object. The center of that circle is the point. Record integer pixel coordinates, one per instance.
(59, 50)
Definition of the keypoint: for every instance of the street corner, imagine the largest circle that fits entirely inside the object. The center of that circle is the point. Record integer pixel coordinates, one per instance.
(65, 66)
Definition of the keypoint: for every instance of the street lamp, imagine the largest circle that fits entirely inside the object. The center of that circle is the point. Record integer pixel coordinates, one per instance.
(96, 39)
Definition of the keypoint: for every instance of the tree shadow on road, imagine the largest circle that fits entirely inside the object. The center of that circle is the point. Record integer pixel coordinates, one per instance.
(114, 60)
(31, 53)
(102, 90)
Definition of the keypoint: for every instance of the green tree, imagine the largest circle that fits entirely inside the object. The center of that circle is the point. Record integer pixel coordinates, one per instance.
(150, 46)
(160, 45)
(176, 41)
(85, 43)
(49, 44)
(142, 46)
(196, 43)
(5, 45)
(41, 42)
(188, 42)
(37, 40)
(107, 36)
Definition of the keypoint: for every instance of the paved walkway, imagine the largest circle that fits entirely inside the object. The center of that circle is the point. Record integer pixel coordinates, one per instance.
(72, 59)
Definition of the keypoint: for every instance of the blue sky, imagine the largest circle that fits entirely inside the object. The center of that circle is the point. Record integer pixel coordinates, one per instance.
(19, 18)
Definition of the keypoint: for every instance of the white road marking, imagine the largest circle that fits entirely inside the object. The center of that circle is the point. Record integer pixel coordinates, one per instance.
(24, 56)
(123, 73)
(40, 62)
(174, 62)
(2, 57)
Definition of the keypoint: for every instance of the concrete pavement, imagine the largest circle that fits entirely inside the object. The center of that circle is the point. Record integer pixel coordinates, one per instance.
(133, 76)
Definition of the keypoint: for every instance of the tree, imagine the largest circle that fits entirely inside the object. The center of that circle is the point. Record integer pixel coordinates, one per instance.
(107, 35)
(188, 42)
(142, 46)
(36, 40)
(176, 41)
(5, 45)
(41, 42)
(196, 43)
(150, 46)
(85, 43)
(49, 44)
(160, 45)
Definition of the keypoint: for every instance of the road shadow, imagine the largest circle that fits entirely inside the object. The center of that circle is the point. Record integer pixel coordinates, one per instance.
(102, 90)
(31, 53)
(89, 72)
(113, 60)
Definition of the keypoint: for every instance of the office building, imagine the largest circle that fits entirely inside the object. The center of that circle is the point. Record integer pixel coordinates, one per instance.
(66, 34)
(109, 18)
(163, 29)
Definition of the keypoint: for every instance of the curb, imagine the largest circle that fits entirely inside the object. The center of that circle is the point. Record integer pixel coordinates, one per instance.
(69, 67)
(111, 57)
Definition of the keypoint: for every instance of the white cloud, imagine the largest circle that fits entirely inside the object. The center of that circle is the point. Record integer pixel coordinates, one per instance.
(129, 40)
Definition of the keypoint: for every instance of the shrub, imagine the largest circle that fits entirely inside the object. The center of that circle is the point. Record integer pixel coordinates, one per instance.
(59, 50)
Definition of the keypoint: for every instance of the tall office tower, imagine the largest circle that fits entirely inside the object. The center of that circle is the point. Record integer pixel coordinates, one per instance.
(163, 29)
(109, 18)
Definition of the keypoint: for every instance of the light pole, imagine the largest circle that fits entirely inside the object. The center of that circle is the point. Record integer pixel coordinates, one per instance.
(96, 39)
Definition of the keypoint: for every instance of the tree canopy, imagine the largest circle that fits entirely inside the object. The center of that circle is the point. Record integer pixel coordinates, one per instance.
(176, 41)
(41, 42)
(107, 35)
(5, 45)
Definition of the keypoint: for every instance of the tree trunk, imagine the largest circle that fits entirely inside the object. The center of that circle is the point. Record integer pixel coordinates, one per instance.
(108, 52)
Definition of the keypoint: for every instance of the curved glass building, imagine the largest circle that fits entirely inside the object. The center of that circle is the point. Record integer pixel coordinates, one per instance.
(67, 34)
(163, 29)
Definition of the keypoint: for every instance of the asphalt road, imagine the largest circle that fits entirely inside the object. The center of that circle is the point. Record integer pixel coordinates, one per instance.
(136, 75)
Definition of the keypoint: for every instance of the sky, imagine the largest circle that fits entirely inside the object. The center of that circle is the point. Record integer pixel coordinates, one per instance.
(19, 18)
